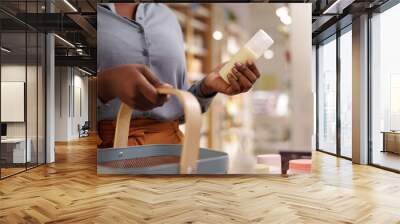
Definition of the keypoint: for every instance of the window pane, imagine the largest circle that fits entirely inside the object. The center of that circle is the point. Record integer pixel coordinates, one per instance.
(327, 97)
(386, 89)
(346, 94)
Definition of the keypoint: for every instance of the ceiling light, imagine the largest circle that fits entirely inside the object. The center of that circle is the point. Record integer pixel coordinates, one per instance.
(287, 20)
(338, 6)
(217, 35)
(5, 50)
(283, 14)
(282, 11)
(84, 71)
(65, 41)
(70, 5)
(232, 45)
(268, 54)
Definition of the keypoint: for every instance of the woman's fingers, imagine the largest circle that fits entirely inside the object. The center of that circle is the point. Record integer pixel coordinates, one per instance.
(149, 92)
(154, 97)
(243, 81)
(160, 98)
(146, 104)
(244, 69)
(252, 66)
(150, 76)
(128, 101)
(234, 88)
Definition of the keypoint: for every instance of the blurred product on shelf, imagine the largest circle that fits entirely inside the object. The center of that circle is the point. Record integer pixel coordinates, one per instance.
(270, 113)
(196, 24)
(262, 169)
(299, 166)
(269, 159)
(273, 161)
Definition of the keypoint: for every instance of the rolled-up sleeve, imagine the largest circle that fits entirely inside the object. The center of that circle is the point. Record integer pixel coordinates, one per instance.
(204, 101)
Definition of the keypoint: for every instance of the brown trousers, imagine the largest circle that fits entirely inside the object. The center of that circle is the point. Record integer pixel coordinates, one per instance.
(141, 132)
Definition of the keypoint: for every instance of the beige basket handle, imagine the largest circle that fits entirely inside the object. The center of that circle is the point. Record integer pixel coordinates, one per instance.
(191, 140)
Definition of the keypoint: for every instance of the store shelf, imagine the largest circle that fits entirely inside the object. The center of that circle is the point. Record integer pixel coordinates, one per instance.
(196, 51)
(195, 21)
(181, 16)
(198, 25)
(201, 12)
(194, 77)
(195, 24)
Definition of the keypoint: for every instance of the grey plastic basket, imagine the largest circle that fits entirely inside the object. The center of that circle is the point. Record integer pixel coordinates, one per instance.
(190, 158)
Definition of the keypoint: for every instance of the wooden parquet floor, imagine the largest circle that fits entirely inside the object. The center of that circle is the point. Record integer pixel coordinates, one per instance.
(69, 191)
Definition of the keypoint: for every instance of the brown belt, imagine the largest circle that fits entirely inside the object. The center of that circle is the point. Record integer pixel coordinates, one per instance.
(141, 132)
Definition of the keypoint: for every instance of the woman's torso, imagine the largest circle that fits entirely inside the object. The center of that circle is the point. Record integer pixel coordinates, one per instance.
(153, 39)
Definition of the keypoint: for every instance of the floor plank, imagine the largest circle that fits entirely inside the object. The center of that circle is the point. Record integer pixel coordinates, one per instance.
(69, 191)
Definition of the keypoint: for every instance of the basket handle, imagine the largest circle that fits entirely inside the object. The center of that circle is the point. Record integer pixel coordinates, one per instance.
(191, 140)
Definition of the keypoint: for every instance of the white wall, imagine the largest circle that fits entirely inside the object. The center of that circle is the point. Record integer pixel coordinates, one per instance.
(79, 117)
(70, 83)
(33, 127)
(16, 73)
(62, 81)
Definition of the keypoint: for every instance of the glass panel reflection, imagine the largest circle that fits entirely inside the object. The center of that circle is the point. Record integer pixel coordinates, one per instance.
(15, 149)
(385, 84)
(327, 97)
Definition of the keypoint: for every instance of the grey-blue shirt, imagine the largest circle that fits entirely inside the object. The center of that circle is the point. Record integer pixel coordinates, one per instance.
(155, 39)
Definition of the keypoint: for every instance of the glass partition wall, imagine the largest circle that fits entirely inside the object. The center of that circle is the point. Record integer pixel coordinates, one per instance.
(22, 88)
(334, 94)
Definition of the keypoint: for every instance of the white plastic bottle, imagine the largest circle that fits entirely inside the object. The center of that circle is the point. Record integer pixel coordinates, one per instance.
(252, 50)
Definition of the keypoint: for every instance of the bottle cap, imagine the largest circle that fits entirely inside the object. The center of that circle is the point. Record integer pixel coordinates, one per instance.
(259, 43)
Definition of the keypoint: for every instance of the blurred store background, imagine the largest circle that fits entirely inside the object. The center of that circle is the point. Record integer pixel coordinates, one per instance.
(259, 122)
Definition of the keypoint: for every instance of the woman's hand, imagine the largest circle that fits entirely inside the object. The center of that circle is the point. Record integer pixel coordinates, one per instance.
(133, 84)
(241, 79)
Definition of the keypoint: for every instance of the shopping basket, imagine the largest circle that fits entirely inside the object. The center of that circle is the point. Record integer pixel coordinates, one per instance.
(162, 159)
